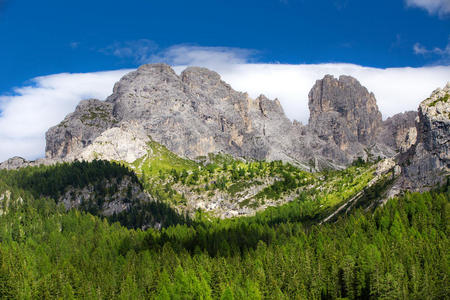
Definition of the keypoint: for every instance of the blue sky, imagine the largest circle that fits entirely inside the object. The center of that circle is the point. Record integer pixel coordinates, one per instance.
(46, 37)
(55, 53)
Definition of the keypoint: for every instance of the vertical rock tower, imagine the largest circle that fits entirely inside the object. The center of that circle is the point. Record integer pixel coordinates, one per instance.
(344, 114)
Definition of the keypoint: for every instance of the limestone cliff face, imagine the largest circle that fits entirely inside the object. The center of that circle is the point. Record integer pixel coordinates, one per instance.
(193, 114)
(345, 116)
(196, 113)
(399, 131)
(79, 129)
(127, 143)
(343, 111)
(427, 162)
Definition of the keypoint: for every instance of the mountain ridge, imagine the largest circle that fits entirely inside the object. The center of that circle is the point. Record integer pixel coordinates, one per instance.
(196, 113)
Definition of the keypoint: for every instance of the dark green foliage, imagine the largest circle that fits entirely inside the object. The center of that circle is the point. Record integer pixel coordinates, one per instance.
(358, 162)
(144, 215)
(399, 251)
(51, 181)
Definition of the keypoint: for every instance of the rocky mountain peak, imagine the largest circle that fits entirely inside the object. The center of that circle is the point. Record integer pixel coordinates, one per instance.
(193, 114)
(78, 129)
(197, 113)
(200, 77)
(347, 109)
(434, 123)
(427, 162)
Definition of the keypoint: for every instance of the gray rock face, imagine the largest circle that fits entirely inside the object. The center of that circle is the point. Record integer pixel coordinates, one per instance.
(196, 113)
(79, 129)
(112, 204)
(343, 111)
(125, 143)
(345, 116)
(399, 131)
(17, 162)
(193, 114)
(14, 163)
(427, 162)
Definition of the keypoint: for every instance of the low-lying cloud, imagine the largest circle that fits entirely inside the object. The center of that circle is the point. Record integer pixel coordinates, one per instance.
(31, 110)
(396, 89)
(26, 115)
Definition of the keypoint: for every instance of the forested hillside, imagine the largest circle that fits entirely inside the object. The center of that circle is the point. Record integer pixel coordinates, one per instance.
(102, 180)
(399, 250)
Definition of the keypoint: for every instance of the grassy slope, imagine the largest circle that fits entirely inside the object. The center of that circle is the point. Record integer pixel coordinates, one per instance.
(179, 181)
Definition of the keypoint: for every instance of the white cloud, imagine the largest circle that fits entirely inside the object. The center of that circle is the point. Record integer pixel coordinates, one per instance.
(146, 51)
(396, 89)
(211, 57)
(419, 49)
(26, 115)
(443, 55)
(440, 7)
(33, 109)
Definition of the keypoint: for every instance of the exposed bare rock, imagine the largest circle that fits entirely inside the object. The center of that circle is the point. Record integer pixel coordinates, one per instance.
(79, 129)
(125, 143)
(399, 131)
(193, 114)
(5, 199)
(345, 116)
(17, 162)
(14, 163)
(347, 105)
(196, 113)
(427, 162)
(127, 194)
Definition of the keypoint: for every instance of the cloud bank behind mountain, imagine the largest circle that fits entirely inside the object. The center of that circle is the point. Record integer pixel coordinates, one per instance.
(26, 114)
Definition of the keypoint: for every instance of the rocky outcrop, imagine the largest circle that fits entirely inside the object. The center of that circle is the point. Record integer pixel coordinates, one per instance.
(193, 114)
(197, 113)
(345, 116)
(399, 131)
(14, 163)
(79, 129)
(343, 112)
(427, 163)
(17, 162)
(128, 142)
(127, 193)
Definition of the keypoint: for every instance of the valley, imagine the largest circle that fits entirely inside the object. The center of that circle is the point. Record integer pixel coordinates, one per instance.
(179, 187)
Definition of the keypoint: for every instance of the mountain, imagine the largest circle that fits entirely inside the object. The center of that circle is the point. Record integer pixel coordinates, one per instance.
(193, 114)
(399, 131)
(345, 118)
(427, 162)
(196, 113)
(179, 187)
(196, 116)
